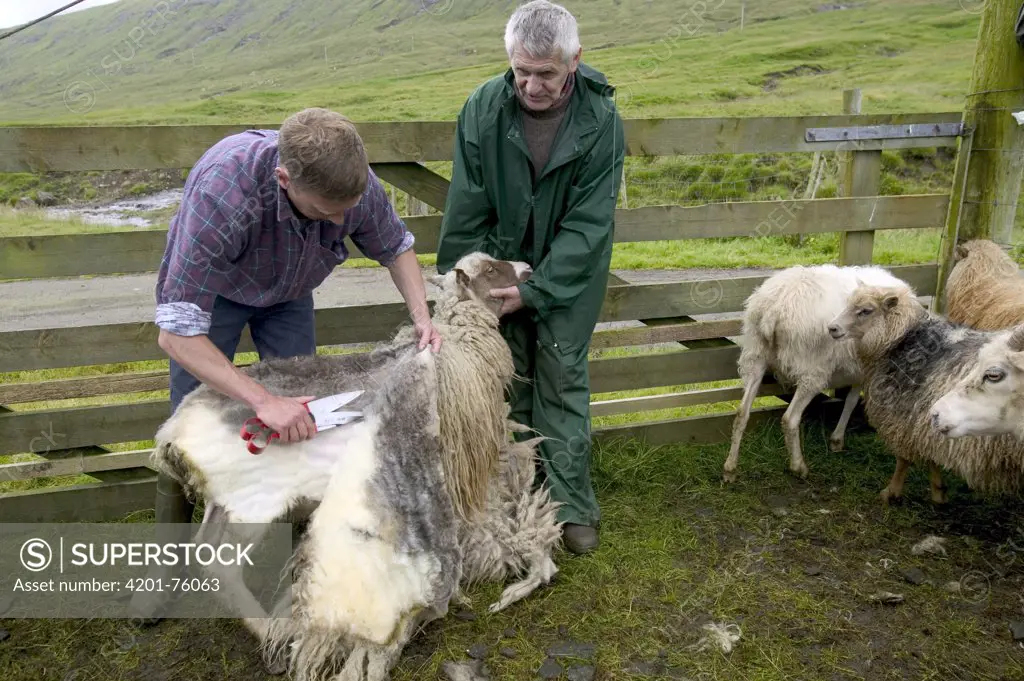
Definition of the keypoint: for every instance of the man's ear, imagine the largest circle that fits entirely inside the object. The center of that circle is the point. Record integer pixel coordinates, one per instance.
(890, 301)
(283, 178)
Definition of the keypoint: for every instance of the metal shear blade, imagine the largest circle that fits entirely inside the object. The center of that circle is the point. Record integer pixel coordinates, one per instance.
(324, 414)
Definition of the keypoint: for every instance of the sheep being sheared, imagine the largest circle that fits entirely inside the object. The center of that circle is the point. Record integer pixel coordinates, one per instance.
(910, 358)
(785, 329)
(990, 399)
(985, 289)
(422, 494)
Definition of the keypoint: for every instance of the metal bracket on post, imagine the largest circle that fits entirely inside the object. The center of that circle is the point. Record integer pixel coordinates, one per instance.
(882, 132)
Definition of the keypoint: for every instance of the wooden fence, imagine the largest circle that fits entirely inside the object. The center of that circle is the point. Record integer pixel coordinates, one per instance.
(397, 151)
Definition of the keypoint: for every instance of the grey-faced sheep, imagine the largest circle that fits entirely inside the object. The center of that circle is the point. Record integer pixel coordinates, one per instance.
(785, 329)
(990, 399)
(911, 357)
(985, 290)
(424, 494)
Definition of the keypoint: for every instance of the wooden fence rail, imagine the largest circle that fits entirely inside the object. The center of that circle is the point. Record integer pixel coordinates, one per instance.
(134, 342)
(70, 255)
(70, 440)
(152, 147)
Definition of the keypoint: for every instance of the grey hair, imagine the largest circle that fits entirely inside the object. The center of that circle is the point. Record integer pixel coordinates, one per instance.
(543, 29)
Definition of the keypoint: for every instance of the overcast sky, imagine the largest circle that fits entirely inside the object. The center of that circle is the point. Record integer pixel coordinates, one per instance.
(18, 12)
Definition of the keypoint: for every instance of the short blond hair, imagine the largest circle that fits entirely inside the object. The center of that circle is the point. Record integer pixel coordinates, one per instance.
(323, 154)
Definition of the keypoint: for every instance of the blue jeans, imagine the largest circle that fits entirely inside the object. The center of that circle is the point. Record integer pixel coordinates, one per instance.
(282, 330)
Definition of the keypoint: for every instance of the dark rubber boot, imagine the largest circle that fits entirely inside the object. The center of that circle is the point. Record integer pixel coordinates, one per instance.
(579, 539)
(173, 509)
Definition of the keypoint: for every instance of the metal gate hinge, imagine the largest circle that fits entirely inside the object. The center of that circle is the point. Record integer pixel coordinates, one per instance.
(883, 132)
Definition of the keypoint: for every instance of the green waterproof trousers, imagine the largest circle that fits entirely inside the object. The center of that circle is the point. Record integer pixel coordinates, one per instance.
(551, 394)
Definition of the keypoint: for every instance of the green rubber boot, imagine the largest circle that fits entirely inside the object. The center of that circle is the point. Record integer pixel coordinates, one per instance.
(173, 509)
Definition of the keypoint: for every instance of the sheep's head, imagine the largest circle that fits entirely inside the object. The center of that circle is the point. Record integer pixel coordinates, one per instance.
(868, 310)
(990, 399)
(476, 274)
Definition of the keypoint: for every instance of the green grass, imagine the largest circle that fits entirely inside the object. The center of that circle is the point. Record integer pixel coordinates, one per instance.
(793, 564)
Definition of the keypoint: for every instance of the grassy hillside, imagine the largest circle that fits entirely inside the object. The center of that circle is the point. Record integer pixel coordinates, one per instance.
(201, 60)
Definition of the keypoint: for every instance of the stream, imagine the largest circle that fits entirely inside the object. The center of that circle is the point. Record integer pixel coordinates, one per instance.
(120, 213)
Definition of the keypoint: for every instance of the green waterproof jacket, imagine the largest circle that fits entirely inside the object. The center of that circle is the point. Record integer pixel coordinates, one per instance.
(493, 198)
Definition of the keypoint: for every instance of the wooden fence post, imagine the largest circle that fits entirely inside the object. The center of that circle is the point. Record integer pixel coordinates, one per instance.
(414, 206)
(990, 156)
(860, 175)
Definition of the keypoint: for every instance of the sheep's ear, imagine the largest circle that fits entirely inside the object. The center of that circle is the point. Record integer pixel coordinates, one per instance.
(960, 252)
(462, 278)
(860, 282)
(1016, 342)
(890, 301)
(437, 280)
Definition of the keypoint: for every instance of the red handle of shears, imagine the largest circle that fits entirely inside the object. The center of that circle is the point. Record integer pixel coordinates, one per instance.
(254, 427)
(252, 430)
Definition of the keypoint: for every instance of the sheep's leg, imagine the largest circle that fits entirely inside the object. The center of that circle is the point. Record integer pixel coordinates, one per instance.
(383, 659)
(751, 384)
(540, 573)
(370, 662)
(791, 427)
(356, 663)
(938, 487)
(232, 590)
(280, 632)
(837, 441)
(894, 490)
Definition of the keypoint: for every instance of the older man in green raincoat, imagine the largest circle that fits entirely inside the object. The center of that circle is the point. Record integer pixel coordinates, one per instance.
(537, 166)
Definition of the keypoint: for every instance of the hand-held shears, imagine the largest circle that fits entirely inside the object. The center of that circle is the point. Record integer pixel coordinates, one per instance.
(259, 435)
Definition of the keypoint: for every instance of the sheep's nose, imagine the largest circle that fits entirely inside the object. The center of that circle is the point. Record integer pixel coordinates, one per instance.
(833, 330)
(942, 428)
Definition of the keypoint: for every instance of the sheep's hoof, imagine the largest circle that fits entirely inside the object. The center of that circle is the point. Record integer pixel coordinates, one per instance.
(729, 476)
(889, 499)
(939, 496)
(800, 471)
(275, 667)
(836, 444)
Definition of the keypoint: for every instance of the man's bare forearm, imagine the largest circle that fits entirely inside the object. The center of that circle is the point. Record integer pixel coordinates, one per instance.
(408, 278)
(201, 358)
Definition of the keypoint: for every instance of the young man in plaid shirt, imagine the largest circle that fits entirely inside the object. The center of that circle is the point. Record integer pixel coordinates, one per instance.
(260, 226)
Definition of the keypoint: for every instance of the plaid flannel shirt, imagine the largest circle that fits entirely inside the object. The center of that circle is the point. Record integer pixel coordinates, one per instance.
(236, 235)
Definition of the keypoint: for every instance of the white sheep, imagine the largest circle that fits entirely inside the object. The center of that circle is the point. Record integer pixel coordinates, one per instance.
(785, 329)
(425, 494)
(990, 399)
(910, 358)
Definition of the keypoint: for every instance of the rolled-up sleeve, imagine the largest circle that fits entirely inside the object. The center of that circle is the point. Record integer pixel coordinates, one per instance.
(209, 232)
(377, 230)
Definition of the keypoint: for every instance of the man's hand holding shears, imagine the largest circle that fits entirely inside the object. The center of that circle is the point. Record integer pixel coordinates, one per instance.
(288, 417)
(300, 418)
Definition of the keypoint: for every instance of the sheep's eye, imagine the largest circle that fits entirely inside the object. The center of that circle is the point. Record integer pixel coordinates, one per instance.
(994, 375)
(864, 312)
